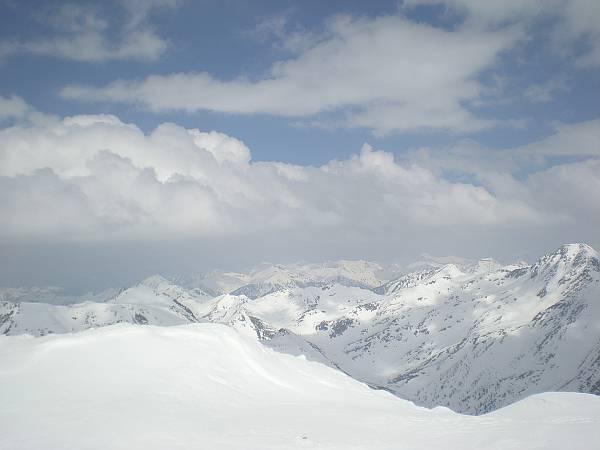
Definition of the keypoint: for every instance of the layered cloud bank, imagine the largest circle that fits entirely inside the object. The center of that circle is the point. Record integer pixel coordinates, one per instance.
(95, 178)
(385, 68)
(388, 74)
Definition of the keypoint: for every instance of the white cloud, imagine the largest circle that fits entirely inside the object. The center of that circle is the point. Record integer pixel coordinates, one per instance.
(491, 13)
(545, 92)
(140, 9)
(80, 33)
(568, 141)
(574, 23)
(284, 34)
(95, 178)
(554, 175)
(577, 139)
(582, 24)
(12, 107)
(387, 74)
(572, 190)
(72, 17)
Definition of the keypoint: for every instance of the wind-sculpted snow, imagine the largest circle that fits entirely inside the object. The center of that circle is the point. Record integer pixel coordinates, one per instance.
(209, 386)
(472, 337)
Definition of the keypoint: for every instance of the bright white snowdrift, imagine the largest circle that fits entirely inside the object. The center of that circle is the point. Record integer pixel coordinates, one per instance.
(208, 386)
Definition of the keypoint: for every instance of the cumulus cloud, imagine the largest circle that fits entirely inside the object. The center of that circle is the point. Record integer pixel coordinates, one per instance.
(518, 172)
(387, 74)
(80, 32)
(95, 178)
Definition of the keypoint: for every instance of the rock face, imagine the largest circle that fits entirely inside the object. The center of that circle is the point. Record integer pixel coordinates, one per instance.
(470, 337)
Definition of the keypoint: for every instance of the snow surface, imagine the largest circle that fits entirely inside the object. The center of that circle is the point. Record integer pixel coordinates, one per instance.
(209, 386)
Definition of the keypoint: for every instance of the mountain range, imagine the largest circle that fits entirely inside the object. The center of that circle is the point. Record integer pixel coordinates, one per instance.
(472, 336)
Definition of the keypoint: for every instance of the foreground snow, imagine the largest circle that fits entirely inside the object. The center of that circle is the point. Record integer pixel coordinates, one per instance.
(209, 386)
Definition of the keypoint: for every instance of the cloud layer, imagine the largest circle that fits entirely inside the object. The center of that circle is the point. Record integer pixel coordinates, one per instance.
(80, 32)
(96, 179)
(571, 22)
(387, 74)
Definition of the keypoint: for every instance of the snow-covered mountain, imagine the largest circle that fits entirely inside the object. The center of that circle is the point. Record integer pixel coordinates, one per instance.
(267, 278)
(153, 301)
(51, 295)
(470, 335)
(471, 341)
(209, 386)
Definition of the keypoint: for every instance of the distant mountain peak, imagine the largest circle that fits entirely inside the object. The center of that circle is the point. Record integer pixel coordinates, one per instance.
(567, 257)
(154, 281)
(574, 249)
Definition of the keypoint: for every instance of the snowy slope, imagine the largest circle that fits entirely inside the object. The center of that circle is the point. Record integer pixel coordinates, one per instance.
(208, 386)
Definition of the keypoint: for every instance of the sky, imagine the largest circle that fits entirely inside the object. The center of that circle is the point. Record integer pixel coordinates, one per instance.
(179, 136)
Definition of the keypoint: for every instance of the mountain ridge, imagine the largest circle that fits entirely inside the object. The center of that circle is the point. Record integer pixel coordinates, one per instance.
(473, 338)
